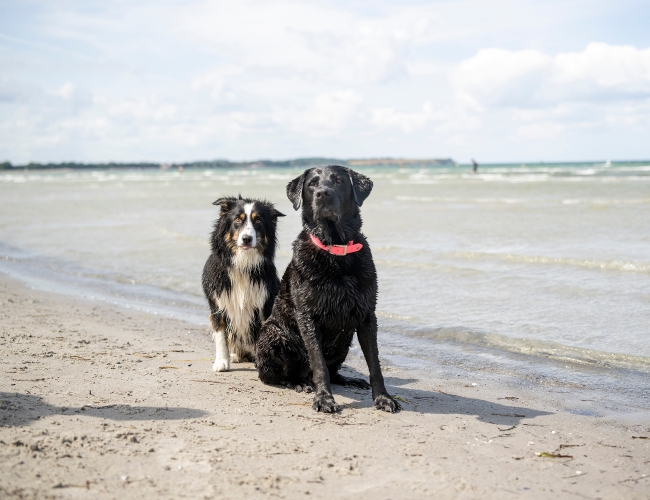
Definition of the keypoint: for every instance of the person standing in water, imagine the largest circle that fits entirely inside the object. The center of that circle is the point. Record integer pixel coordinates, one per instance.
(474, 166)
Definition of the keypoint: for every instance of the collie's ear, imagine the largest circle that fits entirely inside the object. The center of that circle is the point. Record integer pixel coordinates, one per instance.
(225, 203)
(275, 214)
(361, 186)
(294, 190)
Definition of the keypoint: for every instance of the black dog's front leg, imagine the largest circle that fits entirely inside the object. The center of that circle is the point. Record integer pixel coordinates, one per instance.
(323, 399)
(367, 335)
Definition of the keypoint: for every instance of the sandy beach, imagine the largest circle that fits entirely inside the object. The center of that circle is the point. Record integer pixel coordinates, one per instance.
(101, 402)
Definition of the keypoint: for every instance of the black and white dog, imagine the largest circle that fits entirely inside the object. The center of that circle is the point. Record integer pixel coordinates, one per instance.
(239, 279)
(328, 292)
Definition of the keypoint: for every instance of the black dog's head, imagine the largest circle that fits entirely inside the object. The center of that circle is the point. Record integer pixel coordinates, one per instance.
(246, 225)
(330, 197)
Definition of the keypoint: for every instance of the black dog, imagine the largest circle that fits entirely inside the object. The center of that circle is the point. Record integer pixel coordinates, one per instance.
(328, 292)
(239, 279)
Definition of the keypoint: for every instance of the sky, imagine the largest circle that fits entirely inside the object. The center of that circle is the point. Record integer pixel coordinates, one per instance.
(499, 81)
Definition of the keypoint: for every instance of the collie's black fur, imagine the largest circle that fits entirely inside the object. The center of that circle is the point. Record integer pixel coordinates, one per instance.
(240, 281)
(324, 298)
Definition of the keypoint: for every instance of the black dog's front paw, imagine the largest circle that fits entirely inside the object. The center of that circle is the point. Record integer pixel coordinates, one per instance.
(359, 383)
(386, 403)
(304, 386)
(325, 402)
(307, 386)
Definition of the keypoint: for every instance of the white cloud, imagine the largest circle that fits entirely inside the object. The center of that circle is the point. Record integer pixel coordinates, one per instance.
(407, 121)
(67, 90)
(213, 81)
(495, 75)
(491, 69)
(334, 109)
(606, 65)
(326, 115)
(319, 42)
(540, 130)
(529, 78)
(543, 96)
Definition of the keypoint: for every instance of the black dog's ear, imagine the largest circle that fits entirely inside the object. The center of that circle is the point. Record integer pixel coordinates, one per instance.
(361, 186)
(294, 190)
(225, 203)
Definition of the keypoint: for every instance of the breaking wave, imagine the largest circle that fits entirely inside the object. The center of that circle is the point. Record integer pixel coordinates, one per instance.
(520, 346)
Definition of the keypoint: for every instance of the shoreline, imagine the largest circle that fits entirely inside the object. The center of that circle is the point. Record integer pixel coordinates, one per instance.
(607, 389)
(611, 391)
(98, 402)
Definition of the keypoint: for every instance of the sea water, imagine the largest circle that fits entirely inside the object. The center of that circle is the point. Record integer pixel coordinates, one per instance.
(537, 272)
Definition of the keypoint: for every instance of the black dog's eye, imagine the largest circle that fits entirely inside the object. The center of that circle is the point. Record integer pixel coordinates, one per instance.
(312, 183)
(339, 180)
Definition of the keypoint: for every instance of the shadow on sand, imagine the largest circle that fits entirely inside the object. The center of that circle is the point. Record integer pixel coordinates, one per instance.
(18, 409)
(439, 403)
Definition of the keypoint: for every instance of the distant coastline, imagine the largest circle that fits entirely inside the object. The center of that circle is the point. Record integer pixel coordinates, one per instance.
(306, 163)
(295, 163)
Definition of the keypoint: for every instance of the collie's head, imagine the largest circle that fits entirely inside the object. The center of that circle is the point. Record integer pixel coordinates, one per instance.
(246, 225)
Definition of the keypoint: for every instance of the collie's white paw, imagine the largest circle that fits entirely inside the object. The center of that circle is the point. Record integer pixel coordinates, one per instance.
(221, 365)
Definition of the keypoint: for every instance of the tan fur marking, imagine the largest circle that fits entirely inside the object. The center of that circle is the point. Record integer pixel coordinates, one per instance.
(234, 237)
(213, 323)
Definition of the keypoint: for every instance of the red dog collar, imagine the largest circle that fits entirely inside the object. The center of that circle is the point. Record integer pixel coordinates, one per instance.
(337, 249)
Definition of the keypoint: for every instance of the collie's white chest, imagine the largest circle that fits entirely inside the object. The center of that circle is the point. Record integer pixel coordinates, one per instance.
(243, 298)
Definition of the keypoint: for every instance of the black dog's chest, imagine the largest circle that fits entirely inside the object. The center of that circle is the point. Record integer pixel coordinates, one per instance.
(337, 292)
(337, 298)
(337, 305)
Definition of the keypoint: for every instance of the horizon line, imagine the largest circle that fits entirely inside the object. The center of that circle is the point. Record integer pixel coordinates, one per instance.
(296, 162)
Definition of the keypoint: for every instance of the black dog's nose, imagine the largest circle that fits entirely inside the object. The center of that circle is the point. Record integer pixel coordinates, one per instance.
(323, 192)
(247, 239)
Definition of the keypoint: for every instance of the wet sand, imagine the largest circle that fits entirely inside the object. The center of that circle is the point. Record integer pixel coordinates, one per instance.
(100, 402)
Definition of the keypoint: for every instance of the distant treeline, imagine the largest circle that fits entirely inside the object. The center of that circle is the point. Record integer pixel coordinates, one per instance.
(305, 163)
(71, 165)
(297, 163)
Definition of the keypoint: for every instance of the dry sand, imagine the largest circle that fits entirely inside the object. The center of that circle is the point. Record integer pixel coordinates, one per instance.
(105, 403)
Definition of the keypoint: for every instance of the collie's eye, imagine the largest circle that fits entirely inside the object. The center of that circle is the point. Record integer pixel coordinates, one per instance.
(258, 221)
(238, 221)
